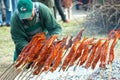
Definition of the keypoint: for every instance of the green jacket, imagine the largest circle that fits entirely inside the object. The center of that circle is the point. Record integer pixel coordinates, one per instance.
(22, 34)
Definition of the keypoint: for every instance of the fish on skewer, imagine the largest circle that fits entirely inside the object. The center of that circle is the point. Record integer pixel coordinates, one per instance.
(44, 49)
(78, 37)
(58, 58)
(39, 36)
(104, 53)
(75, 41)
(78, 52)
(84, 56)
(111, 53)
(92, 54)
(97, 56)
(54, 52)
(40, 63)
(29, 49)
(70, 54)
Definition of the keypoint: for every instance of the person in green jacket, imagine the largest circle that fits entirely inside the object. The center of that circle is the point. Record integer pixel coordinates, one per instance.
(29, 19)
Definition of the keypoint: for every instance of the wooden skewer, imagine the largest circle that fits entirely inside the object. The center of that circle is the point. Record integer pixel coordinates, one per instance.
(110, 74)
(8, 70)
(21, 73)
(12, 70)
(29, 70)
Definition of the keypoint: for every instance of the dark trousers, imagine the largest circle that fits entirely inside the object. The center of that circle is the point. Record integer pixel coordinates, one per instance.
(59, 8)
(77, 5)
(83, 1)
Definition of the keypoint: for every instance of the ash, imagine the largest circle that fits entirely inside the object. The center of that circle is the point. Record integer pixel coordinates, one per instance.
(80, 73)
(107, 74)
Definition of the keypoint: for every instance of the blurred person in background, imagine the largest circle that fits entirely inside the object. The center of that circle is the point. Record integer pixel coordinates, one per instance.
(67, 4)
(8, 11)
(58, 6)
(83, 3)
(14, 4)
(77, 6)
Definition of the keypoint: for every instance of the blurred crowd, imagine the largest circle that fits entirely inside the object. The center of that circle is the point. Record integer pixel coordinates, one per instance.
(63, 7)
(7, 7)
